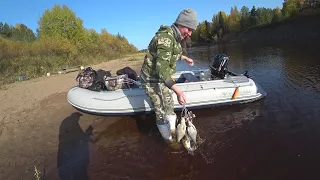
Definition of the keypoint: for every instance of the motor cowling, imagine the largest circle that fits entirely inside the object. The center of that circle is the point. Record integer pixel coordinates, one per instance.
(219, 66)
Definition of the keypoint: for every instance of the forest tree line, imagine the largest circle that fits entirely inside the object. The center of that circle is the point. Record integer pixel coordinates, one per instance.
(245, 18)
(60, 41)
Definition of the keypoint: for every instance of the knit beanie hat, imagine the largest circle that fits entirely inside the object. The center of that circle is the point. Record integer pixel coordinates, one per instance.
(188, 18)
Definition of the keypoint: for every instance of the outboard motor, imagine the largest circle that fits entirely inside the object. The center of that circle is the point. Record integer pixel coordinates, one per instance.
(219, 66)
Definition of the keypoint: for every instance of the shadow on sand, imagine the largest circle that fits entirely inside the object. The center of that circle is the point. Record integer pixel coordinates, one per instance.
(73, 151)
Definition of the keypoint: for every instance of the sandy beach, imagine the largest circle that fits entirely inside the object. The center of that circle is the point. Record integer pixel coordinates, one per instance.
(35, 113)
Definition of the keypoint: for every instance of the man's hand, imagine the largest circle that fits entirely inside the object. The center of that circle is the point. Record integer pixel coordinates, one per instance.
(188, 60)
(181, 98)
(180, 95)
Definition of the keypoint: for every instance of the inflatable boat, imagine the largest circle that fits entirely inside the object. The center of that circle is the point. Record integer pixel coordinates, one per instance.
(215, 86)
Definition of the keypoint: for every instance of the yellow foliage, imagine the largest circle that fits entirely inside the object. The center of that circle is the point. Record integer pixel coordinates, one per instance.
(50, 53)
(57, 47)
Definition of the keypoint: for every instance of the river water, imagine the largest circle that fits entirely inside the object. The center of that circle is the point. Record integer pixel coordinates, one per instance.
(277, 137)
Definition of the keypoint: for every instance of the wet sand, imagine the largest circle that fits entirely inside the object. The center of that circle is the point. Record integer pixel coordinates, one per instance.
(39, 128)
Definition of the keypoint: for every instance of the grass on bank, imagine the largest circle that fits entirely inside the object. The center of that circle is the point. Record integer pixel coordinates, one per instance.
(33, 67)
(36, 59)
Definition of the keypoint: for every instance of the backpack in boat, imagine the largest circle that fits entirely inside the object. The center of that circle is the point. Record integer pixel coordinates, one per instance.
(116, 82)
(129, 71)
(86, 77)
(131, 74)
(99, 83)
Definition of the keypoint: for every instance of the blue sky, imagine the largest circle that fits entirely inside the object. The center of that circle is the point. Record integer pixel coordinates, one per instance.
(136, 20)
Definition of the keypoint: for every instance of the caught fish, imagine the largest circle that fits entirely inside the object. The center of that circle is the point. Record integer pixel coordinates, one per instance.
(188, 145)
(192, 132)
(187, 132)
(181, 129)
(186, 142)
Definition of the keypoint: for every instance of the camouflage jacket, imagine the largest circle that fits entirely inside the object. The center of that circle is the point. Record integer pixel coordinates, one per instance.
(163, 52)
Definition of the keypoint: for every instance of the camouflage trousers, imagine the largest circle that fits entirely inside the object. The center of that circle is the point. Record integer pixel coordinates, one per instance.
(161, 99)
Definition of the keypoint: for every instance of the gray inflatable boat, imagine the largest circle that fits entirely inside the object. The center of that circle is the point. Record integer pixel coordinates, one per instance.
(215, 86)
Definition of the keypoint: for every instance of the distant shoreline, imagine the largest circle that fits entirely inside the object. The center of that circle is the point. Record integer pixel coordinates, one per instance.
(304, 30)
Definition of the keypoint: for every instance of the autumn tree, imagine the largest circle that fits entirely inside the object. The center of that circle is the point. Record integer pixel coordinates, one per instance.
(277, 15)
(5, 30)
(244, 20)
(253, 18)
(234, 19)
(63, 22)
(300, 4)
(22, 33)
(215, 24)
(264, 16)
(311, 3)
(289, 8)
(219, 24)
(223, 23)
(195, 37)
(204, 31)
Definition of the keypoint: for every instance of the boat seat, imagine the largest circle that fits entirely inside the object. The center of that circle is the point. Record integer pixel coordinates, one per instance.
(187, 77)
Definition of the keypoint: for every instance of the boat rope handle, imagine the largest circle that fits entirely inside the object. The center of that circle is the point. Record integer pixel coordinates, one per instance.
(184, 108)
(184, 111)
(126, 81)
(194, 64)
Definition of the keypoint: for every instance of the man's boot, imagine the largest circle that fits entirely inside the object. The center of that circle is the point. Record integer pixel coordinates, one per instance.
(172, 119)
(164, 129)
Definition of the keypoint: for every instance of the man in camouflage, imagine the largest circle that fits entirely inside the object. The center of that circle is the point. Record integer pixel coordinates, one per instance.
(159, 65)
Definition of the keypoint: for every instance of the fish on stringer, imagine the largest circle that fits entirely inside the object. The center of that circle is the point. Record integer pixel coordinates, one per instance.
(188, 132)
(181, 129)
(192, 131)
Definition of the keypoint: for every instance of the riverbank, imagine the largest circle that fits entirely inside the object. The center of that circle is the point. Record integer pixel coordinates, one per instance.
(35, 115)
